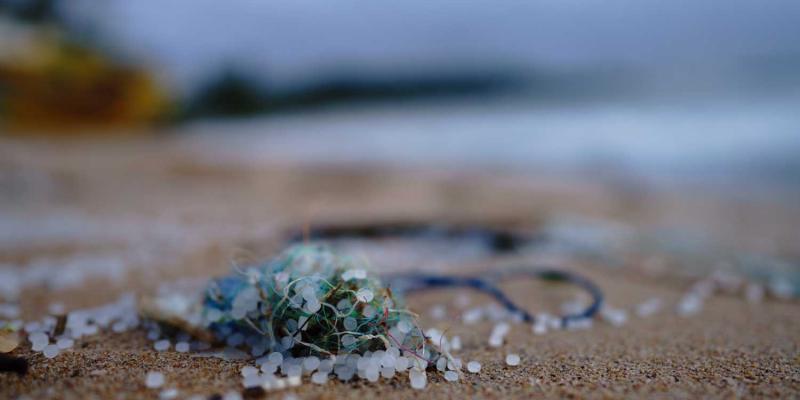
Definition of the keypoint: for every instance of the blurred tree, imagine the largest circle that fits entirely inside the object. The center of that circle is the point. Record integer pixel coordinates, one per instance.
(53, 81)
(231, 93)
(32, 11)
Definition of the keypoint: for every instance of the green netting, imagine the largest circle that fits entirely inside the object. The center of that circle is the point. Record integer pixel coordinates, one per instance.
(310, 301)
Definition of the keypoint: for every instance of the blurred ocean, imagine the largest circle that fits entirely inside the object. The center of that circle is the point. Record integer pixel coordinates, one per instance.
(717, 142)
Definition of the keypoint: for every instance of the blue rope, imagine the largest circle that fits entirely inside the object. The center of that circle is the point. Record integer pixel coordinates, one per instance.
(413, 282)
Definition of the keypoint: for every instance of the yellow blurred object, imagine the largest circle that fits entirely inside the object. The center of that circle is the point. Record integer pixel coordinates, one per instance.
(48, 84)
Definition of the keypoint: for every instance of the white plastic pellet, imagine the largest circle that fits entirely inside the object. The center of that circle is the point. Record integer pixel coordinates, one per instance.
(345, 373)
(344, 305)
(501, 329)
(294, 370)
(275, 357)
(498, 334)
(455, 344)
(309, 293)
(441, 364)
(182, 347)
(311, 363)
(39, 346)
(294, 381)
(404, 326)
(690, 304)
(38, 341)
(472, 316)
(418, 379)
(387, 372)
(614, 316)
(280, 383)
(269, 368)
(154, 380)
(372, 373)
(325, 366)
(50, 351)
(65, 343)
(388, 361)
(168, 394)
(474, 367)
(451, 376)
(348, 340)
(249, 371)
(161, 345)
(364, 295)
(313, 306)
(401, 364)
(287, 342)
(649, 307)
(319, 377)
(512, 360)
(39, 337)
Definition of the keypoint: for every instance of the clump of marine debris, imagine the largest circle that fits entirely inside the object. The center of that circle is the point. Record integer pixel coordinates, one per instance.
(308, 312)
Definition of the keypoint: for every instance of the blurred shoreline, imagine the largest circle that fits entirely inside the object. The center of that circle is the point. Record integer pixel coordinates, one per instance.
(716, 143)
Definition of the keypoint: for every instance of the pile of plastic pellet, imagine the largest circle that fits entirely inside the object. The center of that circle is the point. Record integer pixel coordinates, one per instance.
(53, 335)
(310, 313)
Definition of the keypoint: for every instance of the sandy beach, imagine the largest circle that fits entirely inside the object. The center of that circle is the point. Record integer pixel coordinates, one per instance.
(161, 213)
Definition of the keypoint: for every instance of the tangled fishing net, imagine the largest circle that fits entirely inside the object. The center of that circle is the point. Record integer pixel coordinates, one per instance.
(308, 301)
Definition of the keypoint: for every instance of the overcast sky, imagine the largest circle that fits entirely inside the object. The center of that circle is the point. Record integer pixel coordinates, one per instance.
(297, 39)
